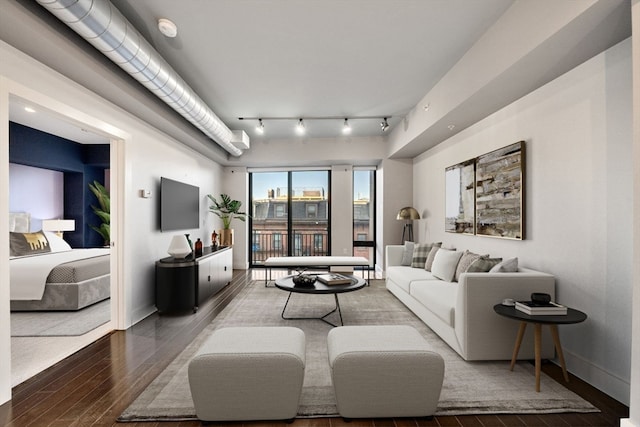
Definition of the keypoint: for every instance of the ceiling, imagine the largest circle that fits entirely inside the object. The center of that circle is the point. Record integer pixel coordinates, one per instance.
(329, 58)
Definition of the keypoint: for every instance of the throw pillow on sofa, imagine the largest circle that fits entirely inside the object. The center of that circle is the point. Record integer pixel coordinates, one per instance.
(483, 265)
(507, 266)
(420, 253)
(445, 263)
(465, 262)
(432, 255)
(407, 253)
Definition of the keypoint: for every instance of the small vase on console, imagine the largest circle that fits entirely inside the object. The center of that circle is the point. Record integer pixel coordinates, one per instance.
(179, 246)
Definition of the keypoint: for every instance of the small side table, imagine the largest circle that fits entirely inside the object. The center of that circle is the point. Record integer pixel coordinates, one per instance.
(572, 316)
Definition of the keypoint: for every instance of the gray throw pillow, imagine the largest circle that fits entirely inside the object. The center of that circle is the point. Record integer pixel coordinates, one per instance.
(407, 253)
(465, 262)
(420, 252)
(483, 265)
(431, 256)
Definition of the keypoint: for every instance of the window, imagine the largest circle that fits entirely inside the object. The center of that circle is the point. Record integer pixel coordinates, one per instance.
(277, 241)
(281, 210)
(364, 215)
(318, 241)
(312, 210)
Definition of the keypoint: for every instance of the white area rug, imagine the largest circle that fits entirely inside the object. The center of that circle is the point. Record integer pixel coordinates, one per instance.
(59, 323)
(469, 387)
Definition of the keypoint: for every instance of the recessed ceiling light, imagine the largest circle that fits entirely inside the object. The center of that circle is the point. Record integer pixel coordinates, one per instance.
(29, 110)
(167, 27)
(426, 107)
(300, 127)
(451, 127)
(346, 128)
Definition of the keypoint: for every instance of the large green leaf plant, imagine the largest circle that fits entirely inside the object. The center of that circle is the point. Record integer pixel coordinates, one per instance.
(103, 211)
(226, 209)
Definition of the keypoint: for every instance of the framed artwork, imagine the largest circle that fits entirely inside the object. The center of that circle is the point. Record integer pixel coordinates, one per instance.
(500, 179)
(460, 198)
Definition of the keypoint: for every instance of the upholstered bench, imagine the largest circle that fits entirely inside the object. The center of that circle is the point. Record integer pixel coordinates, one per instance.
(248, 373)
(327, 261)
(384, 371)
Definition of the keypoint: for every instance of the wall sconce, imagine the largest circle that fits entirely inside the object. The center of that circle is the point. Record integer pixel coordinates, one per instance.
(58, 226)
(407, 214)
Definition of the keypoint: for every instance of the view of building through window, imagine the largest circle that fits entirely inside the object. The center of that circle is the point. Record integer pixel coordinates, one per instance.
(290, 214)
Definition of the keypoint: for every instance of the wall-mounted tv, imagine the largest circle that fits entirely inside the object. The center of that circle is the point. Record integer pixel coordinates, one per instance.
(179, 205)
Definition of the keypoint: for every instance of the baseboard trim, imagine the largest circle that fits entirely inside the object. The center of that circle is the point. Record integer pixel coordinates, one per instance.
(607, 382)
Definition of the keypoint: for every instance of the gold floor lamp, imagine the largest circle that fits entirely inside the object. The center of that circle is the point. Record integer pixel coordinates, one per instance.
(407, 214)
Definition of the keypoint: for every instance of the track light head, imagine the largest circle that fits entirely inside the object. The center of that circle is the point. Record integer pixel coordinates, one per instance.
(346, 127)
(300, 127)
(384, 125)
(260, 127)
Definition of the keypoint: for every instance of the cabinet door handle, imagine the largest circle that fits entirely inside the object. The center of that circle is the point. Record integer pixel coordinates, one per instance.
(208, 278)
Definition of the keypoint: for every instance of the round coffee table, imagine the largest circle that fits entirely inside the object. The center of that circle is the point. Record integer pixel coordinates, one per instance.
(286, 284)
(572, 316)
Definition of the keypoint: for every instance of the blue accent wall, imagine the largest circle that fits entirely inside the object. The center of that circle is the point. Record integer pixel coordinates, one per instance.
(81, 165)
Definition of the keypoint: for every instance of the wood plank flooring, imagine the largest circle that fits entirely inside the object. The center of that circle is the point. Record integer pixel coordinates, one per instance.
(93, 386)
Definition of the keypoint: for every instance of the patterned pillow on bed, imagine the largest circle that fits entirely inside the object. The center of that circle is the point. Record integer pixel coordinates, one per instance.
(28, 243)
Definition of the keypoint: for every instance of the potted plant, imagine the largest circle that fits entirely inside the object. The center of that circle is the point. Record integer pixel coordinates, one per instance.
(227, 210)
(103, 212)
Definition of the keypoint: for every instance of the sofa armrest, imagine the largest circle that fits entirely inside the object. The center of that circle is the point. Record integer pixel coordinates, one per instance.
(393, 255)
(478, 327)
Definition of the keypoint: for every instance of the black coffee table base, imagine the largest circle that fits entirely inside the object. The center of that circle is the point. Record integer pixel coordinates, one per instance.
(323, 318)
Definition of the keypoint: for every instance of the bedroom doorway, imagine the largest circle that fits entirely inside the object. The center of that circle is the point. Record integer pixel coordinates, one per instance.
(44, 338)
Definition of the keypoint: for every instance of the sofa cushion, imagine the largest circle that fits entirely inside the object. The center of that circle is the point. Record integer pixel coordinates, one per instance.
(404, 276)
(465, 262)
(437, 296)
(445, 263)
(432, 254)
(507, 266)
(407, 253)
(420, 253)
(483, 265)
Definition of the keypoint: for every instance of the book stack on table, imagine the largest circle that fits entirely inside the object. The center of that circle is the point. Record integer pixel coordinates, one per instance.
(540, 309)
(334, 279)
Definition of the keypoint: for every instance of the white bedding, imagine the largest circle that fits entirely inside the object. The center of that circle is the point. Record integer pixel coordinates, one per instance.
(29, 274)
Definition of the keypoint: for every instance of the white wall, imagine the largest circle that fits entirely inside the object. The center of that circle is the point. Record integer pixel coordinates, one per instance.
(143, 156)
(37, 191)
(579, 202)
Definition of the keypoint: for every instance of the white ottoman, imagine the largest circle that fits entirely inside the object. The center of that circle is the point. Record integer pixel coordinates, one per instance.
(384, 371)
(248, 373)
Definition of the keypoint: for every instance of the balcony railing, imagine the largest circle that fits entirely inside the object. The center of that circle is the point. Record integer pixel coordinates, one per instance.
(272, 243)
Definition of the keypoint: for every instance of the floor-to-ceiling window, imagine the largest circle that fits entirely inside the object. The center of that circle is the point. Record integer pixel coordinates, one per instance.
(364, 190)
(290, 213)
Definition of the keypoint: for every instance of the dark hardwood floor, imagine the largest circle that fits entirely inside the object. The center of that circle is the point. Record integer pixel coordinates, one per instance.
(93, 386)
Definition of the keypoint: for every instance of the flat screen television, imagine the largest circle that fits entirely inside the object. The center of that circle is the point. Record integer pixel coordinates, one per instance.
(179, 205)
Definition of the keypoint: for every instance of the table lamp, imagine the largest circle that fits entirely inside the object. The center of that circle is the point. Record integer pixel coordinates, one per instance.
(58, 226)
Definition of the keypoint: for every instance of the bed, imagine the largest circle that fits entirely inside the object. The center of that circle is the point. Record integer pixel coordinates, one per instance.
(46, 274)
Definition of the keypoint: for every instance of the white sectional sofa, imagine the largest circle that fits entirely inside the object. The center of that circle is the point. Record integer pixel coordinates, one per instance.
(461, 312)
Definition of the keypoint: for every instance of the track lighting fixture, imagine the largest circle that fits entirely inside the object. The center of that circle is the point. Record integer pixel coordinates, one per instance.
(260, 127)
(300, 127)
(346, 127)
(384, 125)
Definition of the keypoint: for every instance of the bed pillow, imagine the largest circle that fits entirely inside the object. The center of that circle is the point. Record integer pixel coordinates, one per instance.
(445, 263)
(407, 253)
(21, 244)
(507, 266)
(56, 243)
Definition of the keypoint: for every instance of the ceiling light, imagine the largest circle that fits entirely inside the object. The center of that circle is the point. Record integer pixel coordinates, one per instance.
(167, 28)
(451, 127)
(260, 127)
(346, 128)
(29, 110)
(300, 127)
(384, 125)
(426, 107)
